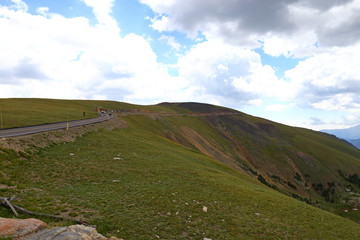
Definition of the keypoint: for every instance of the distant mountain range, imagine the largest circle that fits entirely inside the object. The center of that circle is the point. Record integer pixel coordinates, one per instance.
(351, 135)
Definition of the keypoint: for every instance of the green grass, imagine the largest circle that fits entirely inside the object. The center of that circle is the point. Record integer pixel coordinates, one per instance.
(158, 189)
(19, 112)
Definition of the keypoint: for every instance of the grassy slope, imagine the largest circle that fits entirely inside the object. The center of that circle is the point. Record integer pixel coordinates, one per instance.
(160, 188)
(272, 148)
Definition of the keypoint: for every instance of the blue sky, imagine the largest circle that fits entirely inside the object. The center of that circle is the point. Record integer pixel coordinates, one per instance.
(296, 64)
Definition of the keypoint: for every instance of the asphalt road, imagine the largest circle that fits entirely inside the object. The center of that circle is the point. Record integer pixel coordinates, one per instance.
(12, 132)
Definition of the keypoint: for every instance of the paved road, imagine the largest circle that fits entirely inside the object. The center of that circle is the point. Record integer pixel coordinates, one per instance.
(12, 132)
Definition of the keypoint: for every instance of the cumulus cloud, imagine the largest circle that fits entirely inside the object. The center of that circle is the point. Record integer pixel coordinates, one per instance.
(248, 22)
(49, 55)
(237, 21)
(230, 74)
(329, 81)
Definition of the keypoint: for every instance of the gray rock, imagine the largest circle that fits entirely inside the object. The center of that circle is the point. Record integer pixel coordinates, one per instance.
(74, 232)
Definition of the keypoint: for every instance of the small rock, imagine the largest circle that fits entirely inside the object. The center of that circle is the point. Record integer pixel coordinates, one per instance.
(205, 209)
(118, 158)
(257, 214)
(72, 154)
(19, 227)
(207, 239)
(115, 180)
(346, 210)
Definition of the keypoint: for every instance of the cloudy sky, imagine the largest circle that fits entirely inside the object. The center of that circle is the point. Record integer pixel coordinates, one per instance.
(292, 61)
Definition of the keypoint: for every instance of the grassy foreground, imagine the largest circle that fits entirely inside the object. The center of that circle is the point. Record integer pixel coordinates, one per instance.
(135, 184)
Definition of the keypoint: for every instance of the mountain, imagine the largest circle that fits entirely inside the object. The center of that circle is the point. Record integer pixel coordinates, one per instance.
(347, 133)
(292, 160)
(351, 134)
(182, 171)
(355, 142)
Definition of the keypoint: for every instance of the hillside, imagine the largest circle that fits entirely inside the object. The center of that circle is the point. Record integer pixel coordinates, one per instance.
(184, 171)
(292, 159)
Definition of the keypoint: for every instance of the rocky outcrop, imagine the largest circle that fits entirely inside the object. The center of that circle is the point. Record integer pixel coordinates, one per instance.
(34, 229)
(74, 232)
(17, 228)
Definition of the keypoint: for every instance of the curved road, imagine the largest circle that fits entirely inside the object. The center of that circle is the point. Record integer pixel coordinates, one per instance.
(12, 132)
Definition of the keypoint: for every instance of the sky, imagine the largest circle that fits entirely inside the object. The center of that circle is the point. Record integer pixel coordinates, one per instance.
(291, 61)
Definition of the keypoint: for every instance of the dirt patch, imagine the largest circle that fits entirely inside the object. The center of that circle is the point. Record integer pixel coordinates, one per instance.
(207, 148)
(42, 140)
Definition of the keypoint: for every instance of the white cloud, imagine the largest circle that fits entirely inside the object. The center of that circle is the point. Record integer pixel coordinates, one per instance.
(329, 80)
(70, 58)
(102, 10)
(232, 75)
(171, 41)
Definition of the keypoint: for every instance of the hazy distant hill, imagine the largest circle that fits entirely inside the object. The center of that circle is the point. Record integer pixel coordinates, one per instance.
(351, 135)
(355, 142)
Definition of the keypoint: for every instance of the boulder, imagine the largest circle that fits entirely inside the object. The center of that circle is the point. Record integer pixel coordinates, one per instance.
(74, 232)
(16, 228)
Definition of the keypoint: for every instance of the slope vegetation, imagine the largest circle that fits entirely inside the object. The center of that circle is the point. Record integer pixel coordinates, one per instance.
(185, 175)
(294, 160)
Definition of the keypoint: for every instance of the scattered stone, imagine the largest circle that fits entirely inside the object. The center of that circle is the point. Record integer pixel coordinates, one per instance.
(72, 154)
(19, 227)
(118, 158)
(115, 180)
(355, 209)
(205, 209)
(207, 239)
(257, 214)
(346, 210)
(74, 232)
